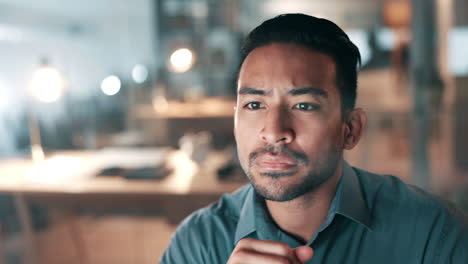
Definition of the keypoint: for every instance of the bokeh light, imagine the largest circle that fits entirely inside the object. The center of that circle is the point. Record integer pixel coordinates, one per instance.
(181, 60)
(111, 85)
(139, 73)
(47, 84)
(160, 104)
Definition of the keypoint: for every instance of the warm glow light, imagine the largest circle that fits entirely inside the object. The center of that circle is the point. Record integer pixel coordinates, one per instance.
(139, 73)
(185, 170)
(57, 169)
(181, 60)
(110, 85)
(160, 104)
(47, 84)
(37, 153)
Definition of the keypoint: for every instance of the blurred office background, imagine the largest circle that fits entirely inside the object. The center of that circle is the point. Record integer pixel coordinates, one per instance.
(116, 115)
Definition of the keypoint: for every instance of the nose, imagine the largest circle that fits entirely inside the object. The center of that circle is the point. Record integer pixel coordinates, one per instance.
(277, 128)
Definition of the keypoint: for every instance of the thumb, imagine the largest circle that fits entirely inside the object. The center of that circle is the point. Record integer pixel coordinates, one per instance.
(304, 253)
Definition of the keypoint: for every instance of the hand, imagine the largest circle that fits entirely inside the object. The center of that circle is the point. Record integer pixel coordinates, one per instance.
(268, 252)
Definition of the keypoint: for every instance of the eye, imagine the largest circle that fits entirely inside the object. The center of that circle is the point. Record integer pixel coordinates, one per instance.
(254, 105)
(306, 106)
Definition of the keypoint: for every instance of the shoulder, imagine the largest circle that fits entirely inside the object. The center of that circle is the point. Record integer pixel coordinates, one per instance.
(226, 209)
(222, 214)
(424, 220)
(207, 229)
(389, 193)
(229, 205)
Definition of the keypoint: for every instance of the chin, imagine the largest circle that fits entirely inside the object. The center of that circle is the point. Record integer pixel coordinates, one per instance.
(282, 187)
(287, 185)
(277, 195)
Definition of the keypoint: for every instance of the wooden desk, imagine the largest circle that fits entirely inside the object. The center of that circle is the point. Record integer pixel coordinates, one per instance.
(67, 180)
(168, 124)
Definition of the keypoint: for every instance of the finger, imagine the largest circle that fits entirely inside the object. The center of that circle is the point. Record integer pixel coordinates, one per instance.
(265, 246)
(246, 256)
(303, 253)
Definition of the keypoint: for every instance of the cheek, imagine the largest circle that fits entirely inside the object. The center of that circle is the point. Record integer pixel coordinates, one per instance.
(247, 125)
(246, 140)
(318, 136)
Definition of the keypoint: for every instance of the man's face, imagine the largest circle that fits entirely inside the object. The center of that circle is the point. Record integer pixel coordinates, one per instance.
(288, 124)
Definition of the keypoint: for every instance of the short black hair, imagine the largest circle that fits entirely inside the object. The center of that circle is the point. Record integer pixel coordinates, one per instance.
(318, 34)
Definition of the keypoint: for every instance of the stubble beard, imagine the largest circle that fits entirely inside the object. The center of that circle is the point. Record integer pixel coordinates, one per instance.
(322, 169)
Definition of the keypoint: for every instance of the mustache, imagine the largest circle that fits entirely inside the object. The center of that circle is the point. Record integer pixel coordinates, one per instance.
(279, 150)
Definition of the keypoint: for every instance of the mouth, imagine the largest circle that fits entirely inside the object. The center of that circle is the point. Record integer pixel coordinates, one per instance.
(276, 163)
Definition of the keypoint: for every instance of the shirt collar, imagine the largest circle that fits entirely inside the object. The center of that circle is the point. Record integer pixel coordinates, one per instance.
(349, 203)
(254, 217)
(246, 223)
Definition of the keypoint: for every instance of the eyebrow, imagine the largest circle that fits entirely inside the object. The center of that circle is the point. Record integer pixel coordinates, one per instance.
(248, 90)
(294, 92)
(309, 90)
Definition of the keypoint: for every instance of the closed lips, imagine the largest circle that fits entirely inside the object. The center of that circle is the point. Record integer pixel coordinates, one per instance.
(276, 161)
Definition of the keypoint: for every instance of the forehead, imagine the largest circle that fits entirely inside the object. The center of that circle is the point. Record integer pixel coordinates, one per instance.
(287, 66)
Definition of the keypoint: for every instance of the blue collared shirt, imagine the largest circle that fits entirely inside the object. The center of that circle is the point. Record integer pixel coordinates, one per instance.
(372, 219)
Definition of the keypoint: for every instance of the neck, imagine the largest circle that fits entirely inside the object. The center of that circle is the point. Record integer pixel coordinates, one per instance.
(308, 211)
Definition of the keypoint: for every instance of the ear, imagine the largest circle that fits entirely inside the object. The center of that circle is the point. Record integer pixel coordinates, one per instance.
(354, 127)
(235, 120)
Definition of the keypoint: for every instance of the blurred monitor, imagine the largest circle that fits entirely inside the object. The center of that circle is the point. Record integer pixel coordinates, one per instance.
(458, 51)
(360, 38)
(385, 39)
